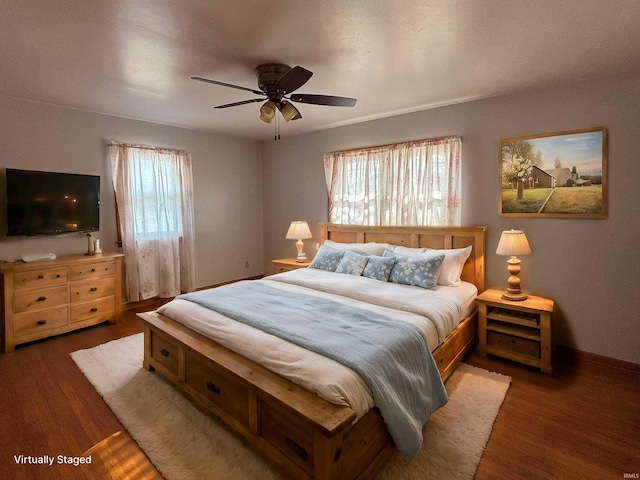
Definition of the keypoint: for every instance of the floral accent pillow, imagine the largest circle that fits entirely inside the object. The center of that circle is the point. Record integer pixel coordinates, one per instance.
(327, 258)
(420, 271)
(352, 263)
(379, 268)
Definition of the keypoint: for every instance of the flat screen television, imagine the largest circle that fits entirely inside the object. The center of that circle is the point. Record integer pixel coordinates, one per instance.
(48, 203)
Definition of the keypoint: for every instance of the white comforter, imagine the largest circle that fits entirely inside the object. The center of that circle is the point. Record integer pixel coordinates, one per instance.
(435, 312)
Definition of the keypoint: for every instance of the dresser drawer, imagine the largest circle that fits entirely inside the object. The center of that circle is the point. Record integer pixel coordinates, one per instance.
(26, 301)
(80, 272)
(40, 278)
(92, 289)
(219, 387)
(165, 352)
(97, 308)
(41, 321)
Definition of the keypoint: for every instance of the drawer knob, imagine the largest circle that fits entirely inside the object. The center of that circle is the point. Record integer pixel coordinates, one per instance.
(41, 322)
(212, 387)
(93, 289)
(94, 309)
(297, 449)
(41, 299)
(164, 352)
(41, 276)
(93, 269)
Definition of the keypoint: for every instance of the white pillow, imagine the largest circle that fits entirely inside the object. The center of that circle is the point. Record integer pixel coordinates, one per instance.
(452, 266)
(411, 252)
(371, 248)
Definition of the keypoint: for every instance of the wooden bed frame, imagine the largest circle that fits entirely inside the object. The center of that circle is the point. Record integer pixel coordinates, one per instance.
(303, 435)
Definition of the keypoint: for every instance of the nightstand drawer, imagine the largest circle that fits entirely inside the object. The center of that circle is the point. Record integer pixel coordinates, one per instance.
(520, 345)
(287, 264)
(282, 268)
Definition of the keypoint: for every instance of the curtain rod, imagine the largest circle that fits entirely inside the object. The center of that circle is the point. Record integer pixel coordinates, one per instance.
(145, 147)
(394, 144)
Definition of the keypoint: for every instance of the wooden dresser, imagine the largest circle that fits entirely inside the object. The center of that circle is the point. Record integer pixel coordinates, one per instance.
(50, 297)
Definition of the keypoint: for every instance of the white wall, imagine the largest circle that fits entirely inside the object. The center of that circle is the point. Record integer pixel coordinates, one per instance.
(589, 266)
(227, 175)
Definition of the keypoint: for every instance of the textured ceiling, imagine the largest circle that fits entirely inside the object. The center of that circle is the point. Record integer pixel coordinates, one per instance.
(134, 58)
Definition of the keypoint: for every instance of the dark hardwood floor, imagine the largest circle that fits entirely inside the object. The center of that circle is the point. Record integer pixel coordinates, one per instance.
(582, 422)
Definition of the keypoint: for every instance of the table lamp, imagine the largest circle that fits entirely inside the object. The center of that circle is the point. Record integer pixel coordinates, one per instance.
(513, 243)
(298, 231)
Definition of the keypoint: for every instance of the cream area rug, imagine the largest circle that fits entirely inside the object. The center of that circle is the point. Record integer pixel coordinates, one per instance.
(184, 443)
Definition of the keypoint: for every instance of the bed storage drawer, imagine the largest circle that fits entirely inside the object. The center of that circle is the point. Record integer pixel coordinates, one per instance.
(165, 352)
(288, 435)
(218, 387)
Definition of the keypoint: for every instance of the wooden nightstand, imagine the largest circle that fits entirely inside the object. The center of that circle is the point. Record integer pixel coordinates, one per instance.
(286, 264)
(519, 331)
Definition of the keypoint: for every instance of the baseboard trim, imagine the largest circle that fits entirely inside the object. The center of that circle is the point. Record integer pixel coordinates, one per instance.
(577, 357)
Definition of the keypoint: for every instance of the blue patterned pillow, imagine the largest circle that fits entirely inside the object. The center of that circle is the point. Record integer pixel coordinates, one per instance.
(327, 258)
(352, 263)
(421, 271)
(379, 268)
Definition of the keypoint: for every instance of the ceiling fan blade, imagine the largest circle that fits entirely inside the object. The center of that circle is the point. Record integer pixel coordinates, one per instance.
(243, 102)
(293, 79)
(324, 100)
(215, 82)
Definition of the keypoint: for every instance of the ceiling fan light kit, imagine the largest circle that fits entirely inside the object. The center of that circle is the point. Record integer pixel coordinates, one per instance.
(288, 111)
(276, 82)
(267, 111)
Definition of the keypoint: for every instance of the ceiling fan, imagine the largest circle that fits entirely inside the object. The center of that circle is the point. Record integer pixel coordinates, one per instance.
(277, 82)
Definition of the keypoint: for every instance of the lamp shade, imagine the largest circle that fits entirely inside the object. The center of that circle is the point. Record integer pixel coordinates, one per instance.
(267, 112)
(513, 242)
(289, 112)
(298, 230)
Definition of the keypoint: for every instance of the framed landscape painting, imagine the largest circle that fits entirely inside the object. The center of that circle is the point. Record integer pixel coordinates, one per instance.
(561, 174)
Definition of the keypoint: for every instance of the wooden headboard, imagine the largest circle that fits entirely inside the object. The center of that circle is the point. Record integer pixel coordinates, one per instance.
(419, 237)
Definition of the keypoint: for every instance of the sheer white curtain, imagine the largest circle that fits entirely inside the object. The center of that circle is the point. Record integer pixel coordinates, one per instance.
(154, 195)
(413, 183)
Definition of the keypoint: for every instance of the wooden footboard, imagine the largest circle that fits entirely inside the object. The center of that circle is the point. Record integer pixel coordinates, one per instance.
(305, 436)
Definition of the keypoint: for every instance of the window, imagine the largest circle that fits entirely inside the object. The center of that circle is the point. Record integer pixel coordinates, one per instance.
(413, 183)
(154, 197)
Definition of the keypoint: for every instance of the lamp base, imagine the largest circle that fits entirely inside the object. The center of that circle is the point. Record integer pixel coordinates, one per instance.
(301, 257)
(514, 295)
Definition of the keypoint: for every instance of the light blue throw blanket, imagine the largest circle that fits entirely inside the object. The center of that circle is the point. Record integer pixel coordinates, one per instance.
(390, 355)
